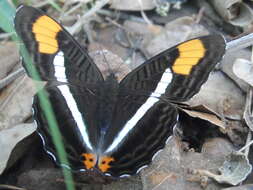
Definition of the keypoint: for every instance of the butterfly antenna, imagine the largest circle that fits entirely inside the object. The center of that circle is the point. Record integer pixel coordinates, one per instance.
(133, 49)
(106, 61)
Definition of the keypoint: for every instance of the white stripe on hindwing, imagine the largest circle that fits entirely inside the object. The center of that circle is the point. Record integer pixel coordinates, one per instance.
(154, 97)
(71, 103)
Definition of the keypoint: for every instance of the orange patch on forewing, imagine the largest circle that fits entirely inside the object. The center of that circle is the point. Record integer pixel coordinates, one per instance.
(182, 69)
(89, 160)
(189, 55)
(45, 30)
(191, 45)
(104, 163)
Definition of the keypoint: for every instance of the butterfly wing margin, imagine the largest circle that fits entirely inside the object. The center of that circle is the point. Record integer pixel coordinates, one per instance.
(178, 72)
(54, 52)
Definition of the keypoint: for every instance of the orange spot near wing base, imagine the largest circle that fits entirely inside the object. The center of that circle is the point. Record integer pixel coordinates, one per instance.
(45, 30)
(190, 54)
(104, 163)
(89, 160)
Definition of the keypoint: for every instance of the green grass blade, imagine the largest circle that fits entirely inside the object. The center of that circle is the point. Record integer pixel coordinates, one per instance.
(54, 5)
(47, 109)
(7, 12)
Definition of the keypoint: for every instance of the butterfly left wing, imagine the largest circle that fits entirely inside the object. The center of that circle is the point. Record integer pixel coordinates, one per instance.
(56, 55)
(178, 72)
(70, 73)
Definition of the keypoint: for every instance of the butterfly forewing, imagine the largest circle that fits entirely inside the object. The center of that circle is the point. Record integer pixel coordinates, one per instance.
(178, 72)
(54, 52)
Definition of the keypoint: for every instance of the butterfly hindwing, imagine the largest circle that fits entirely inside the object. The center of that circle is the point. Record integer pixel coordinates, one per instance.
(139, 130)
(54, 52)
(74, 108)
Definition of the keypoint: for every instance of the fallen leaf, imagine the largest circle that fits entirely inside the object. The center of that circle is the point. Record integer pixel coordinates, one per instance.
(16, 102)
(220, 95)
(235, 169)
(9, 138)
(243, 69)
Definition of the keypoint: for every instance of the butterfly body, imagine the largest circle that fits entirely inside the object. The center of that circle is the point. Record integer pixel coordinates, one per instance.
(115, 128)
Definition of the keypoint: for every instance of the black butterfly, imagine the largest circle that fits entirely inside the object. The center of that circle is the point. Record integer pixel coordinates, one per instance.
(110, 127)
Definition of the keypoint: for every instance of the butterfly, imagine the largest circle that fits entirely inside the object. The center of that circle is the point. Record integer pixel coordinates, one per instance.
(110, 127)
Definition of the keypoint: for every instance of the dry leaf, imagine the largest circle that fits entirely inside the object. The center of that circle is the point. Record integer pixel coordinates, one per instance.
(243, 69)
(16, 102)
(235, 169)
(9, 138)
(220, 95)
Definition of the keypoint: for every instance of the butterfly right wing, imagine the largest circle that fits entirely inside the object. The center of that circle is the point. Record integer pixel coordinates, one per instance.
(143, 116)
(177, 73)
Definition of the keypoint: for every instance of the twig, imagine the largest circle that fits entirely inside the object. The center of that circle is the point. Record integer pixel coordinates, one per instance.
(64, 14)
(120, 15)
(200, 15)
(77, 26)
(86, 28)
(116, 24)
(41, 4)
(144, 16)
(240, 43)
(5, 187)
(6, 35)
(7, 80)
(249, 137)
(248, 144)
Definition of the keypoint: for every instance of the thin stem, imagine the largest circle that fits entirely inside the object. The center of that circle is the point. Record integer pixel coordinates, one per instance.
(11, 77)
(240, 43)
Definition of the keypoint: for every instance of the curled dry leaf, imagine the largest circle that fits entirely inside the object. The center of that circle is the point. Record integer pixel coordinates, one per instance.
(244, 18)
(9, 138)
(205, 114)
(227, 9)
(235, 12)
(235, 169)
